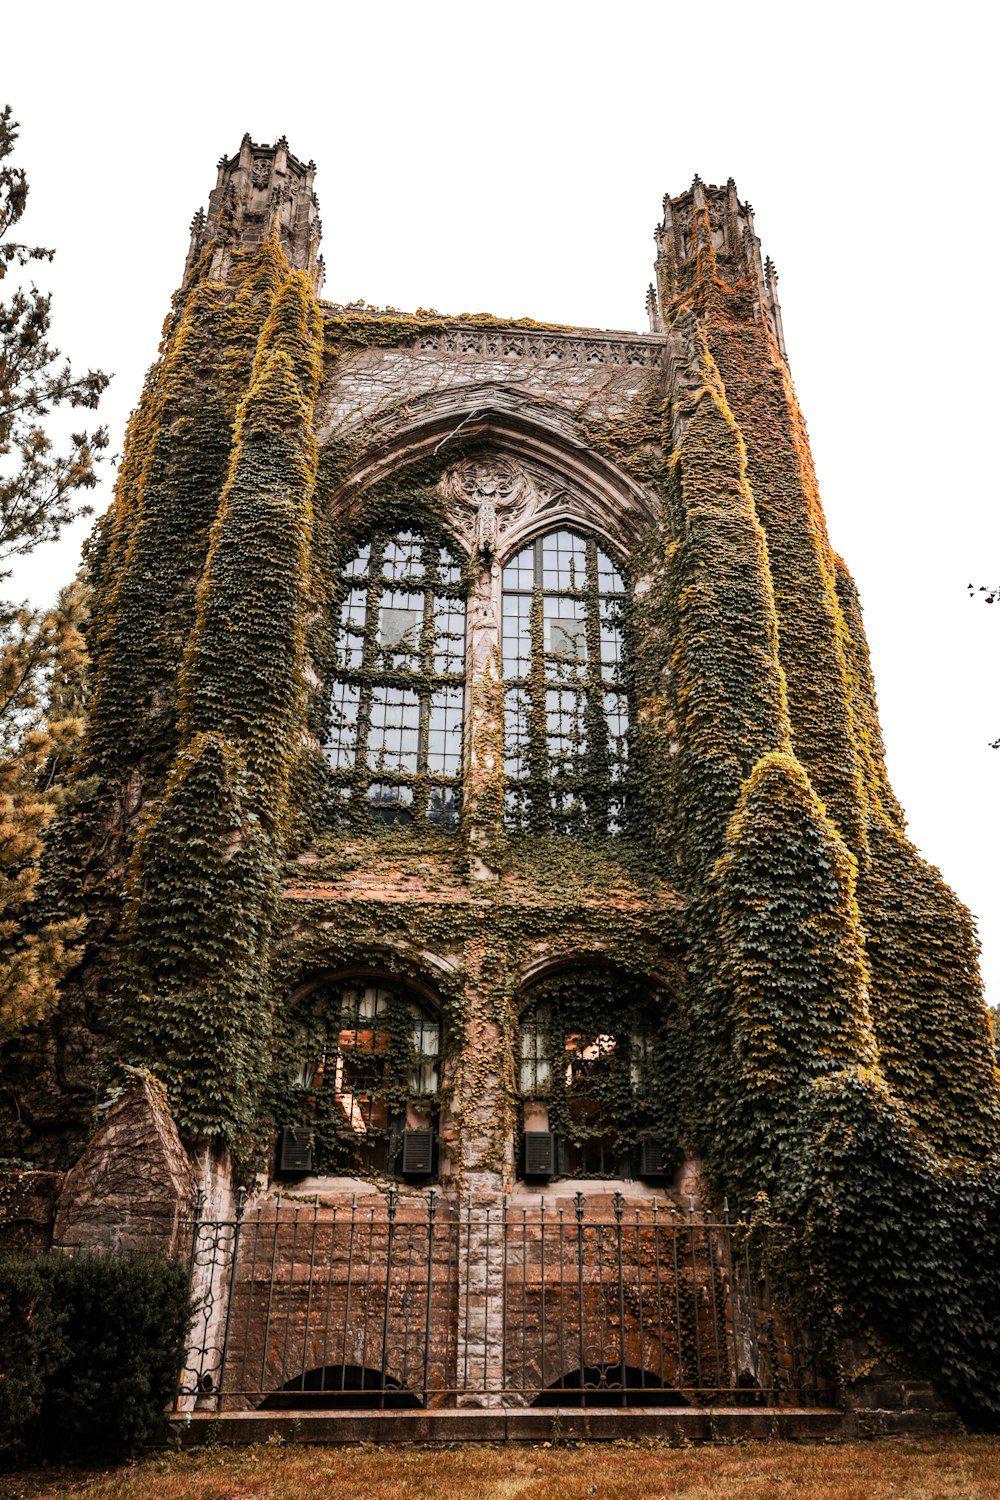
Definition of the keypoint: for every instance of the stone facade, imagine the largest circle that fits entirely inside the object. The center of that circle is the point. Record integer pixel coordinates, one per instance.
(526, 431)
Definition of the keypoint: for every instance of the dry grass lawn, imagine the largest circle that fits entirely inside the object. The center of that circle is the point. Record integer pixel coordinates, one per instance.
(956, 1469)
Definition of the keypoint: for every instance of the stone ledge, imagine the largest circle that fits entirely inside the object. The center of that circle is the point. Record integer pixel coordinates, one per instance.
(684, 1424)
(876, 1422)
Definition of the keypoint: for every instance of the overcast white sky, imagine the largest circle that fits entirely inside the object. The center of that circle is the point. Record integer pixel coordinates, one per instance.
(512, 158)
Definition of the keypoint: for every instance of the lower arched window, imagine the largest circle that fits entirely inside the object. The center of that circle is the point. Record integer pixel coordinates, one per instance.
(365, 1068)
(589, 1074)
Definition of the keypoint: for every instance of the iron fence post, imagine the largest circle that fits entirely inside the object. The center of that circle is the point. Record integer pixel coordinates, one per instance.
(618, 1204)
(241, 1199)
(198, 1203)
(390, 1231)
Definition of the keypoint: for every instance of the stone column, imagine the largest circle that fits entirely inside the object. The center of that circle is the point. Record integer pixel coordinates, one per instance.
(486, 1168)
(483, 780)
(213, 1272)
(481, 1309)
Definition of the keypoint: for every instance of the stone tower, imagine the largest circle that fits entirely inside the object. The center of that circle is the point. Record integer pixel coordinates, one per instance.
(491, 800)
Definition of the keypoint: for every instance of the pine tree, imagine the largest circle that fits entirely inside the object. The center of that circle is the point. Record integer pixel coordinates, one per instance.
(42, 655)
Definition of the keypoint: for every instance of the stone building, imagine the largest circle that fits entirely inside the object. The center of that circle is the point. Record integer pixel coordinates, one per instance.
(485, 806)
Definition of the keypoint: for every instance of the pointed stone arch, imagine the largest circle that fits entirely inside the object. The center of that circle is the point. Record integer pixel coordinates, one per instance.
(584, 488)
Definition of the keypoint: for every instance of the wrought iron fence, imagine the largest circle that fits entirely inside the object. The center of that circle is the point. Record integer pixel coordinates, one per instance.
(417, 1301)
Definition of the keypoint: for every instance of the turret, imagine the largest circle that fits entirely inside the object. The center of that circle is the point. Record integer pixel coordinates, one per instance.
(710, 222)
(259, 189)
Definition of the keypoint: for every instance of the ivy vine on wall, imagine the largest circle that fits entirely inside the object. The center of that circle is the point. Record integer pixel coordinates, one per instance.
(825, 1041)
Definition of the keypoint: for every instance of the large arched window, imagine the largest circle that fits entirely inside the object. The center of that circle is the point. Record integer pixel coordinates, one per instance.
(395, 728)
(588, 1074)
(565, 707)
(366, 1070)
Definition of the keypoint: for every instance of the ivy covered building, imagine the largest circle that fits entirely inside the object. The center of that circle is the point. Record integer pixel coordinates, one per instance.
(484, 798)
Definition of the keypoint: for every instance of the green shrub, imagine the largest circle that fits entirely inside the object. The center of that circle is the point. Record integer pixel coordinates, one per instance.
(32, 1345)
(92, 1347)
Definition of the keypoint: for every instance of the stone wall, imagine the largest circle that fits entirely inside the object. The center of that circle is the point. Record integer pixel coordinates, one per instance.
(589, 375)
(27, 1211)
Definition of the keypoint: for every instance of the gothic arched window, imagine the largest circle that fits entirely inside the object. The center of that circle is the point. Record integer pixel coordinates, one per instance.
(565, 706)
(587, 1073)
(369, 1069)
(396, 710)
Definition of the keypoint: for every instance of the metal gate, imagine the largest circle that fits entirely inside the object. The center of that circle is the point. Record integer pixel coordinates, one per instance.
(418, 1300)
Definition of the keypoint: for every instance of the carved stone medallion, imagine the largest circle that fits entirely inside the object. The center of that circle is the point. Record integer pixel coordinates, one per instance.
(493, 496)
(487, 479)
(484, 491)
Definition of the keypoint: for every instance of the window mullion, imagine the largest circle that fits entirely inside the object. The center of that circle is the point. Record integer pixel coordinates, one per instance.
(425, 689)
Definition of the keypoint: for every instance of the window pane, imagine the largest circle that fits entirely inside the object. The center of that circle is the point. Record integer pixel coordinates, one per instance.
(425, 1030)
(611, 638)
(566, 727)
(564, 561)
(358, 566)
(444, 806)
(590, 1055)
(340, 746)
(616, 713)
(565, 636)
(351, 636)
(390, 803)
(366, 1052)
(516, 708)
(448, 569)
(516, 635)
(444, 731)
(402, 559)
(536, 1067)
(400, 622)
(562, 680)
(449, 636)
(416, 631)
(608, 578)
(400, 627)
(520, 573)
(394, 734)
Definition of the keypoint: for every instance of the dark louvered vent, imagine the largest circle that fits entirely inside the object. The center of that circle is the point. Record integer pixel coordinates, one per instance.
(418, 1153)
(539, 1153)
(654, 1159)
(294, 1150)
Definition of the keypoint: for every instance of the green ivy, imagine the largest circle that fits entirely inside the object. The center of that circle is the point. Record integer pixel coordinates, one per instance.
(825, 1039)
(839, 1046)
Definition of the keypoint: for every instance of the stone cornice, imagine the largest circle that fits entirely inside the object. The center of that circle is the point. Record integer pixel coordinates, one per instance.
(580, 346)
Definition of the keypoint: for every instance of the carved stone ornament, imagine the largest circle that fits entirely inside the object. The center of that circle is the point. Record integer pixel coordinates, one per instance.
(487, 479)
(491, 495)
(261, 172)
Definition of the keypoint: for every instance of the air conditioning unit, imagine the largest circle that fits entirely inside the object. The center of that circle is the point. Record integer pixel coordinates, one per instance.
(418, 1153)
(295, 1156)
(655, 1158)
(539, 1153)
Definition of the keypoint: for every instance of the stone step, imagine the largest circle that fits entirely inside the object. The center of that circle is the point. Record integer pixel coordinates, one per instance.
(684, 1424)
